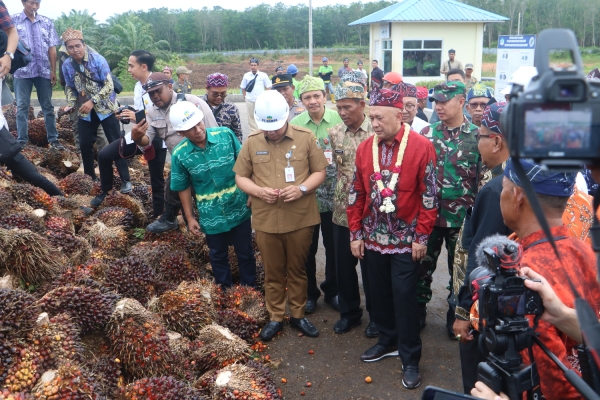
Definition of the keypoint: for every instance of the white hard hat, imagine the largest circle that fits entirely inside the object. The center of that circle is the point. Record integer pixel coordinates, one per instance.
(185, 115)
(507, 89)
(271, 110)
(523, 76)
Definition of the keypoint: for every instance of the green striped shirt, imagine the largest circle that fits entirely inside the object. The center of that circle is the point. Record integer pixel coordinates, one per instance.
(221, 205)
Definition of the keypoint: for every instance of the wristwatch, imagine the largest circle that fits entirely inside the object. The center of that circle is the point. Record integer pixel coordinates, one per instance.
(303, 189)
(11, 55)
(94, 100)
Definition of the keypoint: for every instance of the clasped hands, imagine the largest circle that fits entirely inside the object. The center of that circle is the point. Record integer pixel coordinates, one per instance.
(288, 194)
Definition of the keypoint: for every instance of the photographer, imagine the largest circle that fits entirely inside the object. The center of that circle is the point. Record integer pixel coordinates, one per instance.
(577, 265)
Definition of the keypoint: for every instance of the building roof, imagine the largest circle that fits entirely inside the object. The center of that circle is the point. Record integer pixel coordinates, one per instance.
(430, 11)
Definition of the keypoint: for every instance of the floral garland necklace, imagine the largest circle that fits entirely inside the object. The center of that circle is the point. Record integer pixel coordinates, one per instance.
(388, 192)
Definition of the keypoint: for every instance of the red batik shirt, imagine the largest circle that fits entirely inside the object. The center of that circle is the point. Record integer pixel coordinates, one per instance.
(578, 264)
(414, 196)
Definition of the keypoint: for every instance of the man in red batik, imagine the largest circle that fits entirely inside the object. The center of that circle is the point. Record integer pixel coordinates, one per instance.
(391, 211)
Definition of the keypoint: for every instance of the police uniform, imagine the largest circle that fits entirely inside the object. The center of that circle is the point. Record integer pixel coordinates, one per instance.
(296, 109)
(284, 229)
(283, 80)
(184, 87)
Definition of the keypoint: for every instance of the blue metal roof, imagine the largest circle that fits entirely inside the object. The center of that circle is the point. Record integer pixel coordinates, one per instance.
(430, 11)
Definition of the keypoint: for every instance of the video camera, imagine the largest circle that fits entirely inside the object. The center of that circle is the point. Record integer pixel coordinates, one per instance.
(556, 119)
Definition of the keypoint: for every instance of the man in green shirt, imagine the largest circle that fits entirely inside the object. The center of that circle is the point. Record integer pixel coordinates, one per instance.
(325, 72)
(204, 162)
(319, 119)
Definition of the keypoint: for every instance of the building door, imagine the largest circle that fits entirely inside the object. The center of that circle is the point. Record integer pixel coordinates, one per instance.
(377, 53)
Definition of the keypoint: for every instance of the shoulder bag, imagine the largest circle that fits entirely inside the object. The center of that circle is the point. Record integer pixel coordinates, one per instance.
(117, 85)
(250, 85)
(22, 53)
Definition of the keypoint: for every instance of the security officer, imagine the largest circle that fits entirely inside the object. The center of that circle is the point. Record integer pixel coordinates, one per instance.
(284, 84)
(280, 167)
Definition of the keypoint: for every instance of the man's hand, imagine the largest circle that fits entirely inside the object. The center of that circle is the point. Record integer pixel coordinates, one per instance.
(127, 114)
(53, 78)
(291, 193)
(194, 227)
(268, 195)
(249, 202)
(5, 63)
(418, 251)
(554, 308)
(86, 107)
(462, 328)
(481, 391)
(138, 131)
(68, 110)
(358, 248)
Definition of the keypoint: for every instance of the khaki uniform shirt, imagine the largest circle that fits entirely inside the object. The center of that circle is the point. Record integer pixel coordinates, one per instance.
(448, 65)
(469, 83)
(295, 110)
(159, 123)
(184, 87)
(264, 162)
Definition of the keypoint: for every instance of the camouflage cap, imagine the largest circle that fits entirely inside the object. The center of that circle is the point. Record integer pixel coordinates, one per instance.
(445, 91)
(480, 90)
(309, 84)
(354, 76)
(349, 90)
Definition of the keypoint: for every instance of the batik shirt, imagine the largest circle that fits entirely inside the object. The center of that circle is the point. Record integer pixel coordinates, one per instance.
(40, 35)
(414, 198)
(457, 161)
(221, 204)
(96, 67)
(344, 143)
(227, 115)
(330, 119)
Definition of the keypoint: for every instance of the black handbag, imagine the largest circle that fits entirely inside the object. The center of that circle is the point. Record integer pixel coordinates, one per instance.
(9, 147)
(22, 54)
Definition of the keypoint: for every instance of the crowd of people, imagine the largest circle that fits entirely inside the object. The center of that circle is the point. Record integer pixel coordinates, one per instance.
(382, 184)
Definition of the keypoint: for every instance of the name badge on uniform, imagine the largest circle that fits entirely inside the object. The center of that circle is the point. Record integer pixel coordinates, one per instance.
(157, 118)
(262, 153)
(290, 176)
(328, 156)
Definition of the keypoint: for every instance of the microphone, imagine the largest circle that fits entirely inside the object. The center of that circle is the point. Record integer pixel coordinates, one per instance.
(508, 252)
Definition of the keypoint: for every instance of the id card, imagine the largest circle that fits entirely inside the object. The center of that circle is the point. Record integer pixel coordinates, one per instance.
(289, 174)
(329, 156)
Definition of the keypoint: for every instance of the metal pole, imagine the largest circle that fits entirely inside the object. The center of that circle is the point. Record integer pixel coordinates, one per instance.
(519, 24)
(310, 39)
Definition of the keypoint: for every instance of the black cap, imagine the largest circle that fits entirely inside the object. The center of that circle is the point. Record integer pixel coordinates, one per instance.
(451, 51)
(281, 80)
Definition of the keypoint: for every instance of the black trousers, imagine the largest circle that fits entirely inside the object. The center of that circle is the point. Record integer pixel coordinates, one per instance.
(393, 279)
(111, 153)
(470, 357)
(347, 278)
(329, 286)
(20, 166)
(88, 130)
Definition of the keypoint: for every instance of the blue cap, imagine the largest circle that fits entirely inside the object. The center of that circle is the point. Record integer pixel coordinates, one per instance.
(549, 183)
(292, 69)
(325, 59)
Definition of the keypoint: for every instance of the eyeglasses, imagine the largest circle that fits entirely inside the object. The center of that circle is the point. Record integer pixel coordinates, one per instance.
(218, 94)
(410, 107)
(479, 136)
(475, 106)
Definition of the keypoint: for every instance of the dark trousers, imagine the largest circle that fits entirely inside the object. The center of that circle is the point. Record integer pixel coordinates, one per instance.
(87, 137)
(347, 278)
(329, 286)
(20, 166)
(112, 153)
(393, 279)
(240, 238)
(429, 262)
(470, 357)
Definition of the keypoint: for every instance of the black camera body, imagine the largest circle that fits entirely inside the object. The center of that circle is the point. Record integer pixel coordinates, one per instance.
(556, 119)
(120, 110)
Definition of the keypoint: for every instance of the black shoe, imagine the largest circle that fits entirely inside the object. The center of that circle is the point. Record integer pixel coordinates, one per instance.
(23, 145)
(162, 225)
(333, 302)
(96, 201)
(271, 329)
(57, 145)
(378, 352)
(86, 210)
(310, 307)
(411, 378)
(304, 326)
(422, 315)
(371, 331)
(126, 187)
(345, 325)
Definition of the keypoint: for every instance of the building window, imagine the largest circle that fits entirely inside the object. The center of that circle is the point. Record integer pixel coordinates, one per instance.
(387, 55)
(421, 57)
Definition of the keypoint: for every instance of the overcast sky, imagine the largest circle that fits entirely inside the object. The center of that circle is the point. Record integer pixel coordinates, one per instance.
(106, 8)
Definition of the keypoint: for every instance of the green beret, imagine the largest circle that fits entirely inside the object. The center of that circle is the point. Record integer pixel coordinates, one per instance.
(310, 84)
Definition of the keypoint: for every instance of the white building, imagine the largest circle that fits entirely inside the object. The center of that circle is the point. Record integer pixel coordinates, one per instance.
(413, 34)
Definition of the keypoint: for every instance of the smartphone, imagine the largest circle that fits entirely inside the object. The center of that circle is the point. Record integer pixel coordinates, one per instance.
(434, 393)
(140, 116)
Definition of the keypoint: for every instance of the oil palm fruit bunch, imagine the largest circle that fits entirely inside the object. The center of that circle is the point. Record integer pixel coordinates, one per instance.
(132, 278)
(58, 340)
(112, 240)
(115, 216)
(160, 387)
(220, 347)
(29, 194)
(76, 183)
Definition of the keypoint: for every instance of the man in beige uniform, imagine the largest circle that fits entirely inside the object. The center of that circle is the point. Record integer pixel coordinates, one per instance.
(280, 167)
(451, 63)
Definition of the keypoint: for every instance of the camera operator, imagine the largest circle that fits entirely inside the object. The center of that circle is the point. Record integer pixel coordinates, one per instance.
(577, 263)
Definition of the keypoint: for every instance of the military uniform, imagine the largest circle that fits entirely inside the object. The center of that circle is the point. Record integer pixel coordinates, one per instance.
(469, 83)
(184, 87)
(283, 229)
(457, 165)
(296, 109)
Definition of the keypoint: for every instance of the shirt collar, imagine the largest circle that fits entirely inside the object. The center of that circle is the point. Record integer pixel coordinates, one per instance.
(556, 231)
(24, 17)
(398, 136)
(465, 127)
(363, 127)
(288, 132)
(305, 117)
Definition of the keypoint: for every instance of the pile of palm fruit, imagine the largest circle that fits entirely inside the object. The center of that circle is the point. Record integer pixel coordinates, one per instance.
(94, 307)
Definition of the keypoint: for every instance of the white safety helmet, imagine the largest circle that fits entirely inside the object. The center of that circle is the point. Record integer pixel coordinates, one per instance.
(521, 76)
(271, 110)
(185, 115)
